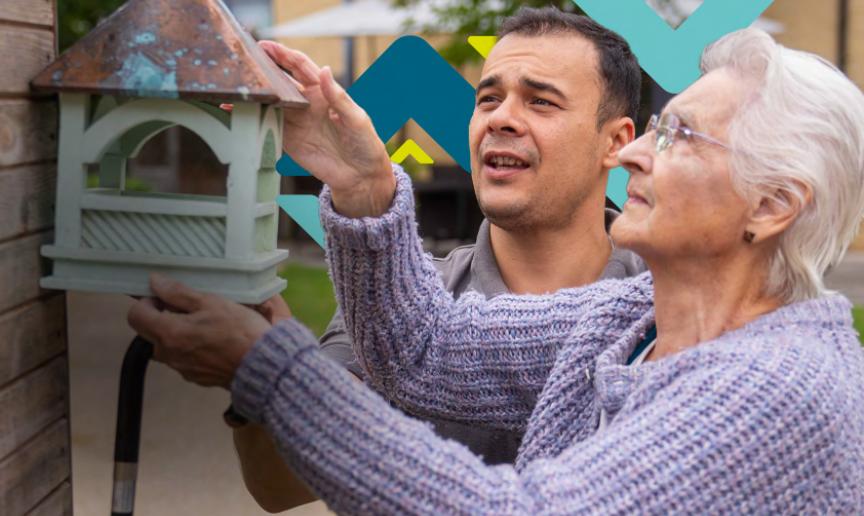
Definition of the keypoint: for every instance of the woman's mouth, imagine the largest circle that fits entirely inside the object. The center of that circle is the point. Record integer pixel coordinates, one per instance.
(636, 199)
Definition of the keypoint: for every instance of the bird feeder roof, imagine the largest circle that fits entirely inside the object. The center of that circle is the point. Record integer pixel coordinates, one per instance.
(177, 49)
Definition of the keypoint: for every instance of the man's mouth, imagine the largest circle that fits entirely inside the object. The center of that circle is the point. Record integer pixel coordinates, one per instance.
(504, 161)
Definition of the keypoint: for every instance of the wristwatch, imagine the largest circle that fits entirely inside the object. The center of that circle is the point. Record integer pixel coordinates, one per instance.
(233, 418)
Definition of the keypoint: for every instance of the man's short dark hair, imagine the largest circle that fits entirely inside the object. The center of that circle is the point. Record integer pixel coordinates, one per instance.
(619, 69)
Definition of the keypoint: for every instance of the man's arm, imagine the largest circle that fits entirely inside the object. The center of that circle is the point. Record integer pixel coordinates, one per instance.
(268, 479)
(336, 345)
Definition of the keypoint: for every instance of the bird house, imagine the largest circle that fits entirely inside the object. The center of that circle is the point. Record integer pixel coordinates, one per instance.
(152, 65)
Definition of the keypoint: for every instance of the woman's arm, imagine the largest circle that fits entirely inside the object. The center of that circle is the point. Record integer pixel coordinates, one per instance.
(720, 437)
(420, 347)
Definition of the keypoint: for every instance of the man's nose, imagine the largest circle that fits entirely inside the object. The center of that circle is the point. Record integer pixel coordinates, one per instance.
(507, 118)
(638, 155)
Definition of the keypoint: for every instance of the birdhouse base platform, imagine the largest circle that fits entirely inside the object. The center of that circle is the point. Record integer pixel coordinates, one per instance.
(248, 281)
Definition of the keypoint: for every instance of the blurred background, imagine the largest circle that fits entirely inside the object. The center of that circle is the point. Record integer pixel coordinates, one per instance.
(188, 464)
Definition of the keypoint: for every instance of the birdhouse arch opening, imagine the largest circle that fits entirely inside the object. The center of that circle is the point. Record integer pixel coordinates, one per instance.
(117, 169)
(174, 161)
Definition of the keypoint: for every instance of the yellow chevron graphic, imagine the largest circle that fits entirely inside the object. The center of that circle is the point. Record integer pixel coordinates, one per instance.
(482, 44)
(410, 148)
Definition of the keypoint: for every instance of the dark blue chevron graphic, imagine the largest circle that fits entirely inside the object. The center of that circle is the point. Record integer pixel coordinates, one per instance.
(411, 80)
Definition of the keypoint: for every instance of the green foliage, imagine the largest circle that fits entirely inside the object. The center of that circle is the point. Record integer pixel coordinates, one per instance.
(310, 295)
(476, 18)
(858, 316)
(75, 18)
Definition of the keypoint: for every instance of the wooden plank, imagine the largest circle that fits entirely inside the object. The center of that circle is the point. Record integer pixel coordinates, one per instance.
(22, 267)
(31, 403)
(28, 131)
(35, 470)
(40, 12)
(27, 203)
(30, 335)
(25, 50)
(58, 503)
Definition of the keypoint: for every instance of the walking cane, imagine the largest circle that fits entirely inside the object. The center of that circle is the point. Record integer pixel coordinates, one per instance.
(128, 438)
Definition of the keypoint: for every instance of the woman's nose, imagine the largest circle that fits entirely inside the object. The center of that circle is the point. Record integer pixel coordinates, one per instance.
(638, 155)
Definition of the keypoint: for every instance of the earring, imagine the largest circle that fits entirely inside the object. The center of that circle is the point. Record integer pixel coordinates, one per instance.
(749, 236)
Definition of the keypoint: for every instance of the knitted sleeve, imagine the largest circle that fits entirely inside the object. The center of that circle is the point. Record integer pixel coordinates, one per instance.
(712, 437)
(487, 358)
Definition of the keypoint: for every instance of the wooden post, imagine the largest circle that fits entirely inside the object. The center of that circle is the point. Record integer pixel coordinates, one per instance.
(34, 384)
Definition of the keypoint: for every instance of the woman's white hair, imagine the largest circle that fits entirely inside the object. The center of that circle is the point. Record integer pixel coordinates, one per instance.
(802, 127)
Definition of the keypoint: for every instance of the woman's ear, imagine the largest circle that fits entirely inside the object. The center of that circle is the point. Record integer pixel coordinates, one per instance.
(619, 132)
(773, 214)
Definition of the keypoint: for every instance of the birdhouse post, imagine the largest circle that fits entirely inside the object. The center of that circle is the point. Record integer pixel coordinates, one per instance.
(152, 65)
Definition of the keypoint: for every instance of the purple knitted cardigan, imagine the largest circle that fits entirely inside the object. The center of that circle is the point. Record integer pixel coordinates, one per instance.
(764, 419)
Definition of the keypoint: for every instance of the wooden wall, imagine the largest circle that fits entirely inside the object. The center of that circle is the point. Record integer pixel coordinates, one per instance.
(34, 384)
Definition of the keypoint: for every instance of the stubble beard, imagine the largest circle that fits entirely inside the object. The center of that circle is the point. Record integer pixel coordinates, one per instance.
(539, 212)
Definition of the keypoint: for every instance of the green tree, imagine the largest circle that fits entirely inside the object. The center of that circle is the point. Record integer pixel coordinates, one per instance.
(465, 18)
(475, 18)
(75, 18)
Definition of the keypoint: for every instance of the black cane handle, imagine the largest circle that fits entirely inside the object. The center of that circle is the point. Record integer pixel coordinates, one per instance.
(128, 438)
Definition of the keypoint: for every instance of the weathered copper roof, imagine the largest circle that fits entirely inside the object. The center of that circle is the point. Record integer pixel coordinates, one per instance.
(192, 49)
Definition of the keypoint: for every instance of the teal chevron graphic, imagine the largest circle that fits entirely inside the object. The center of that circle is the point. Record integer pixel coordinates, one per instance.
(671, 56)
(304, 210)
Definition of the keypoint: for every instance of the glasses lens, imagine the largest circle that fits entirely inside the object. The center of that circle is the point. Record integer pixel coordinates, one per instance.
(667, 127)
(652, 124)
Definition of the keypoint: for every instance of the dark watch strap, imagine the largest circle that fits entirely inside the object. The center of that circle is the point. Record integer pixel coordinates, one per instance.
(233, 418)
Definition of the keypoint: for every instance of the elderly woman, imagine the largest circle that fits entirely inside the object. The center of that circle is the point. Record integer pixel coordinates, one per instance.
(744, 191)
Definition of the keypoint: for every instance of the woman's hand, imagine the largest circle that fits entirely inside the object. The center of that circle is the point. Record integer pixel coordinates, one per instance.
(202, 336)
(334, 139)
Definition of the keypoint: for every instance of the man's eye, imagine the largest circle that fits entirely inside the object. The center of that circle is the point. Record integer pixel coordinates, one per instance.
(543, 102)
(485, 99)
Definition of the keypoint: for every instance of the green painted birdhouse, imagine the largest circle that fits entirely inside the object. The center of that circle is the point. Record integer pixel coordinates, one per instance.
(152, 65)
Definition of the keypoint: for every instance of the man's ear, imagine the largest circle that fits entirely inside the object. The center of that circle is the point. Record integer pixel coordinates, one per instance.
(619, 132)
(773, 214)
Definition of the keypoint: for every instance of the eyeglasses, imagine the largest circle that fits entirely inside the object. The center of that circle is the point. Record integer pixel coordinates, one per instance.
(668, 129)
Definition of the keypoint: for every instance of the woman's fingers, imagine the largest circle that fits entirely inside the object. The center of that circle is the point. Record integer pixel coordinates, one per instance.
(303, 69)
(341, 104)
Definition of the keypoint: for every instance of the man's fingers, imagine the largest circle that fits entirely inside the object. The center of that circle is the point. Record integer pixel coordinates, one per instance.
(175, 293)
(304, 70)
(339, 100)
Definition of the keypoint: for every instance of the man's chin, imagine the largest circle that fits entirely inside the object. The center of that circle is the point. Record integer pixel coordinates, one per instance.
(508, 217)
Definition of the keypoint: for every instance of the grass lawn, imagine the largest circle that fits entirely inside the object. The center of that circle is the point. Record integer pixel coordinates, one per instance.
(858, 315)
(310, 295)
